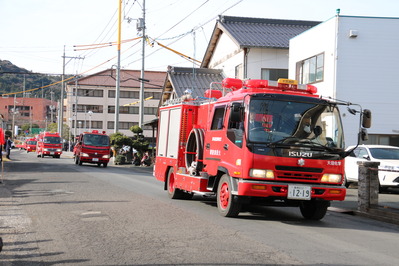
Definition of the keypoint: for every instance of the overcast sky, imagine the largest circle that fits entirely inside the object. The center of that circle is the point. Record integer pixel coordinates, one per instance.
(33, 33)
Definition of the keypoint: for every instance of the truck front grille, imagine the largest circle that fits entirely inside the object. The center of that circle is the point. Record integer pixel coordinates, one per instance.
(295, 173)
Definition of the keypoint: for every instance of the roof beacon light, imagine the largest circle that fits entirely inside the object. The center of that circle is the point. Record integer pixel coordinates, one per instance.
(233, 84)
(256, 83)
(308, 88)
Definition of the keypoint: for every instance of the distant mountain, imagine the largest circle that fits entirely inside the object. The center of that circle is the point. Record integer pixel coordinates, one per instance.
(13, 78)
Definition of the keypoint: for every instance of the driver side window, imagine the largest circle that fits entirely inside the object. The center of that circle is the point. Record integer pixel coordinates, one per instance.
(218, 118)
(236, 125)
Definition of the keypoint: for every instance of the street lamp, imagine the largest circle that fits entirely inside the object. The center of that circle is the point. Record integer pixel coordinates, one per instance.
(90, 113)
(80, 125)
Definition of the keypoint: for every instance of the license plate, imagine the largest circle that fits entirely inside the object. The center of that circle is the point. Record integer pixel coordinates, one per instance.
(299, 192)
(51, 153)
(95, 159)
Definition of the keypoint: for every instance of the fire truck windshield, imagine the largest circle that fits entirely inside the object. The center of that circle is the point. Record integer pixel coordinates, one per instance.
(96, 140)
(304, 123)
(52, 140)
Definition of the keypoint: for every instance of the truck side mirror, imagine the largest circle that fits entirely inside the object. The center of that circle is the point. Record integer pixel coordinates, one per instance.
(363, 134)
(366, 118)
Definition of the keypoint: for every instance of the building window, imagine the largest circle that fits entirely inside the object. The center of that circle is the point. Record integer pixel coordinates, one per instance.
(274, 74)
(85, 108)
(310, 70)
(122, 125)
(135, 94)
(124, 109)
(150, 110)
(239, 72)
(96, 124)
(153, 94)
(90, 93)
(124, 94)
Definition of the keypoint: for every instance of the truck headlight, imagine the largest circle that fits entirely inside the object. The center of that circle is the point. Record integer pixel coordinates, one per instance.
(45, 149)
(261, 173)
(84, 154)
(331, 178)
(59, 150)
(106, 156)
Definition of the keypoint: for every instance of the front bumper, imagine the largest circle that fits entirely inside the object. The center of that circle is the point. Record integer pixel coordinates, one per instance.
(253, 188)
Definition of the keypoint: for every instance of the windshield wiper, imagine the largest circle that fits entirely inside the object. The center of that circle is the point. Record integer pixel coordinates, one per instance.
(316, 144)
(281, 142)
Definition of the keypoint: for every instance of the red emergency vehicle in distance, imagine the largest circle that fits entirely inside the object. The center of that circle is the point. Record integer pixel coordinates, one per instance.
(92, 147)
(49, 144)
(30, 145)
(272, 143)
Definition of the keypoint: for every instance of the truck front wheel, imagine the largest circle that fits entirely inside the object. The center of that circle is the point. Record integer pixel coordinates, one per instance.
(314, 209)
(227, 203)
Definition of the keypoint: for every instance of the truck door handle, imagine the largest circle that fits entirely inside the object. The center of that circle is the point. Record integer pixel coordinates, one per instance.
(208, 146)
(226, 147)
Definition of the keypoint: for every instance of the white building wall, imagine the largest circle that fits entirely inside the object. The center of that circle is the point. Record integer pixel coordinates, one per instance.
(364, 72)
(320, 39)
(259, 58)
(368, 68)
(227, 56)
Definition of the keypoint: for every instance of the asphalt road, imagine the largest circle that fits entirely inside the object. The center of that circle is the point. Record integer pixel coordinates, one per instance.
(53, 212)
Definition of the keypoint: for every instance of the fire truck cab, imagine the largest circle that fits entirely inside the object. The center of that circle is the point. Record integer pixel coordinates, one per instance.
(30, 145)
(254, 142)
(92, 147)
(49, 144)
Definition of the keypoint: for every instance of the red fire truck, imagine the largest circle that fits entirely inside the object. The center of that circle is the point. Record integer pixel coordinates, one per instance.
(49, 144)
(30, 145)
(255, 142)
(92, 147)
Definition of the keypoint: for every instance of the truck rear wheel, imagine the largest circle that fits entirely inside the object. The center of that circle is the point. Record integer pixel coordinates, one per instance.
(227, 203)
(314, 209)
(175, 193)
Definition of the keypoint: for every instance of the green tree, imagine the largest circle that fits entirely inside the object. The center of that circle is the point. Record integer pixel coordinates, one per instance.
(118, 140)
(139, 143)
(26, 127)
(53, 127)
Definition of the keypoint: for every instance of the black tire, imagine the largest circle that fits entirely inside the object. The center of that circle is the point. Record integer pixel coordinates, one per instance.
(314, 209)
(105, 164)
(227, 203)
(346, 183)
(98, 164)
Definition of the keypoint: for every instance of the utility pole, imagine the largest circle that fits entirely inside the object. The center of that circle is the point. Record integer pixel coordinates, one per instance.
(141, 108)
(61, 107)
(76, 105)
(118, 68)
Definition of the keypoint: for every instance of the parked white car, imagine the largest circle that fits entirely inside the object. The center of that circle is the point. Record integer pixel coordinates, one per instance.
(388, 156)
